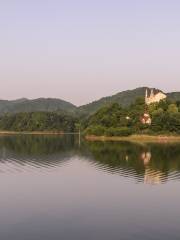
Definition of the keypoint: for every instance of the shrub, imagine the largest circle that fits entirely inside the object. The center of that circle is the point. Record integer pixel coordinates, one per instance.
(120, 131)
(97, 130)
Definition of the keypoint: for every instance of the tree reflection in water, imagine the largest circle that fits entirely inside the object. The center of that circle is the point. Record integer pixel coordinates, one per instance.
(149, 163)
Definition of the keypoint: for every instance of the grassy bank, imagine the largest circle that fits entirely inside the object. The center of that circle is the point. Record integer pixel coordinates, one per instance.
(136, 138)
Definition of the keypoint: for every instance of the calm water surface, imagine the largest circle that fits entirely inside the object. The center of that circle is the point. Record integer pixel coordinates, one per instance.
(55, 188)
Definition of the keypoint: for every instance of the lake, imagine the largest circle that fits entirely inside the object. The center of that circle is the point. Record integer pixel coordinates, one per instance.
(57, 188)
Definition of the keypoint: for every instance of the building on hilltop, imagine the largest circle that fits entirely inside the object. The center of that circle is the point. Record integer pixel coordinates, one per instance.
(154, 98)
(149, 99)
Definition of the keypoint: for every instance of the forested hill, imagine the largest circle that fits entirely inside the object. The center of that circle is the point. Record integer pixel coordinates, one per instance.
(36, 105)
(175, 96)
(124, 98)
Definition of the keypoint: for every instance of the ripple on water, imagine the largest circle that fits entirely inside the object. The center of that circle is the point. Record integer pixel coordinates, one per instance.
(151, 164)
(32, 163)
(147, 175)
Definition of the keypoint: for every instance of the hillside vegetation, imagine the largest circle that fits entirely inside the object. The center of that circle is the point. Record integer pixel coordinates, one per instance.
(38, 121)
(110, 120)
(115, 120)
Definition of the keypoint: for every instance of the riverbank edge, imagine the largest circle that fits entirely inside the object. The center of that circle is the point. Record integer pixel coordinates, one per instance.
(136, 138)
(32, 133)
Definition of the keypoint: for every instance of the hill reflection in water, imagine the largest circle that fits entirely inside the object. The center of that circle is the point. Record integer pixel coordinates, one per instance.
(148, 163)
(22, 153)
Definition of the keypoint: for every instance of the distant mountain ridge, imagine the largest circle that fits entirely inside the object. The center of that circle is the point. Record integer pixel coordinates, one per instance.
(124, 98)
(35, 105)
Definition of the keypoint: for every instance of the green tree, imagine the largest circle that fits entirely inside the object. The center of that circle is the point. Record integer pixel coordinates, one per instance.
(172, 108)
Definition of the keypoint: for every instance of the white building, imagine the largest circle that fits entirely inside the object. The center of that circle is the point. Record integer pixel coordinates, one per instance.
(154, 98)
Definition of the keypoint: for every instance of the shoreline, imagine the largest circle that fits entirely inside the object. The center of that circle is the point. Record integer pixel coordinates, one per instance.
(136, 138)
(34, 133)
(93, 138)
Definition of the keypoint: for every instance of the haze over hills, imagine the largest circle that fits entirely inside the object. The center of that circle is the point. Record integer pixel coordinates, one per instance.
(124, 98)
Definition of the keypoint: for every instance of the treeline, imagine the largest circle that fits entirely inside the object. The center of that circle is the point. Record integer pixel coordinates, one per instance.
(114, 120)
(38, 121)
(111, 120)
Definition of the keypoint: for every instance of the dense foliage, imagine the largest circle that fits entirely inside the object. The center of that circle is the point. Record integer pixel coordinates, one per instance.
(165, 117)
(114, 120)
(38, 121)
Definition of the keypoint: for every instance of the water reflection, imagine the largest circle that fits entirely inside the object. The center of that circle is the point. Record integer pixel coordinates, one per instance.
(147, 163)
(150, 163)
(20, 153)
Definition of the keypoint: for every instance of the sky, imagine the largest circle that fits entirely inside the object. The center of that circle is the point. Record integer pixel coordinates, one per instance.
(81, 50)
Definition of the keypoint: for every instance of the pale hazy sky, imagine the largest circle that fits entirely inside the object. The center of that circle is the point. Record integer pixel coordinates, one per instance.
(81, 50)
